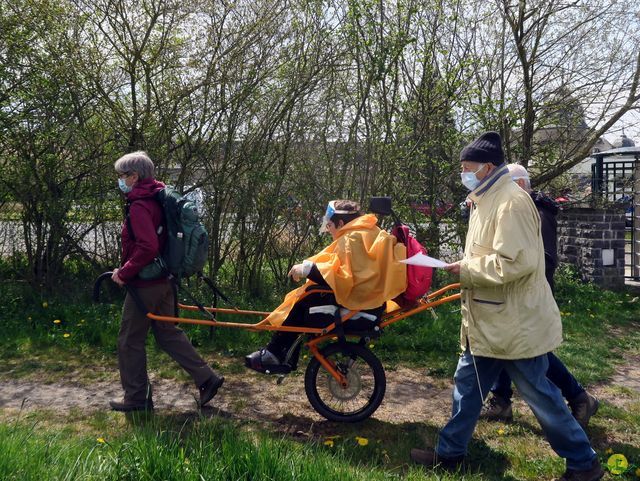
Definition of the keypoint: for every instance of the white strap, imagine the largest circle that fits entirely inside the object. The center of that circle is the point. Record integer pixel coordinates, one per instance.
(359, 315)
(328, 309)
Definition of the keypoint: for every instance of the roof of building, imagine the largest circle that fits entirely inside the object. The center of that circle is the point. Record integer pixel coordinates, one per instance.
(624, 141)
(619, 151)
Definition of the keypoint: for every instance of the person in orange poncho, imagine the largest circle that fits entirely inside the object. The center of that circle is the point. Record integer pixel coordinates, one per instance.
(361, 267)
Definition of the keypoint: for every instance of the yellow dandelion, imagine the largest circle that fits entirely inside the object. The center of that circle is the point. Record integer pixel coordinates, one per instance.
(45, 304)
(638, 472)
(66, 334)
(617, 464)
(362, 441)
(186, 461)
(370, 346)
(501, 432)
(57, 321)
(81, 321)
(329, 442)
(101, 440)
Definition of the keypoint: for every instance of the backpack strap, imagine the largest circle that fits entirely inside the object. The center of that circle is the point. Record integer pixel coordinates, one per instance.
(127, 218)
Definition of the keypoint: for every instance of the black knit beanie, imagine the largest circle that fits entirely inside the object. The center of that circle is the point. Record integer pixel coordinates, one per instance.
(486, 148)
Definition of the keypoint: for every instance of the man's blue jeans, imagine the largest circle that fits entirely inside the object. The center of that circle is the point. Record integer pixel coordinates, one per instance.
(557, 373)
(563, 432)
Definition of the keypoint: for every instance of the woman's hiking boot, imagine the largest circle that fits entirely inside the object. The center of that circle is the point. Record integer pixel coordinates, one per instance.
(209, 389)
(124, 406)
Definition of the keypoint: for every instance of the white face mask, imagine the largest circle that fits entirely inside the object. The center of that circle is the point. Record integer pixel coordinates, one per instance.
(124, 187)
(469, 179)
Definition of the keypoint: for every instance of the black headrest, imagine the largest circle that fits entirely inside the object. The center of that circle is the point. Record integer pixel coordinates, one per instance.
(380, 205)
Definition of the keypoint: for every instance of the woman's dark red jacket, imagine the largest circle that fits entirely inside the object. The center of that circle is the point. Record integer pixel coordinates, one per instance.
(146, 218)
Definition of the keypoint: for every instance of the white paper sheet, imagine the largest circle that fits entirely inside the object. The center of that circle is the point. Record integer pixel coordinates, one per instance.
(422, 260)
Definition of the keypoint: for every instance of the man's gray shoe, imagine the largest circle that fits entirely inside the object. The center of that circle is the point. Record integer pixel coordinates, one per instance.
(592, 474)
(497, 409)
(430, 458)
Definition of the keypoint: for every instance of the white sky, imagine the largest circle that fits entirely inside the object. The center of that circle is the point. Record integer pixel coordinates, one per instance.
(631, 124)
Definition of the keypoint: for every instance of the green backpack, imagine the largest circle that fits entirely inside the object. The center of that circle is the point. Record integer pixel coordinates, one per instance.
(185, 251)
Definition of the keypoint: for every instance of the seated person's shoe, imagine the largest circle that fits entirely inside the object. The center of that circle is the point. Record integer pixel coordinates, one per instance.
(497, 409)
(209, 389)
(430, 459)
(122, 405)
(266, 362)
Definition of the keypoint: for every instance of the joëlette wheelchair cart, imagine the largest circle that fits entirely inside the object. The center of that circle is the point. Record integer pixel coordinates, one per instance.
(344, 380)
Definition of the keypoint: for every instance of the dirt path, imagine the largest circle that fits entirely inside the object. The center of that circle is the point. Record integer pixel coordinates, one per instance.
(411, 396)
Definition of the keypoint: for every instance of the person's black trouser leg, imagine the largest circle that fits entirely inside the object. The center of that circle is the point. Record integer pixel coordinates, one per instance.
(281, 342)
(559, 375)
(502, 386)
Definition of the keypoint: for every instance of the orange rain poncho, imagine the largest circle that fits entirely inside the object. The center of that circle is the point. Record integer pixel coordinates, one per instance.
(361, 267)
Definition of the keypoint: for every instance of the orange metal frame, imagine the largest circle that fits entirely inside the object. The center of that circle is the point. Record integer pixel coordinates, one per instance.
(322, 334)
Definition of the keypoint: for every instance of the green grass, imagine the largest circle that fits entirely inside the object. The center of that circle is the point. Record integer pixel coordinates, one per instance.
(108, 446)
(169, 447)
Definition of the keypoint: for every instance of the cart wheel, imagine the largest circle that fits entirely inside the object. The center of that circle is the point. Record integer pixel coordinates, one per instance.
(365, 389)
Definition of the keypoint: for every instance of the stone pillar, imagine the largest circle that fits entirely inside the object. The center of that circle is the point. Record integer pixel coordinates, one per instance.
(635, 234)
(592, 239)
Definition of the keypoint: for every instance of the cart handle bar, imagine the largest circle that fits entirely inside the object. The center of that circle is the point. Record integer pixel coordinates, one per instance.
(390, 318)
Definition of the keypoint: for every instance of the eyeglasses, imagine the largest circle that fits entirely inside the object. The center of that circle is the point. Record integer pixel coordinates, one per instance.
(124, 176)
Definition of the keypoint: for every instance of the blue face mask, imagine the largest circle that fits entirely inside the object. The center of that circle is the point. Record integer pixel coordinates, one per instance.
(124, 187)
(469, 179)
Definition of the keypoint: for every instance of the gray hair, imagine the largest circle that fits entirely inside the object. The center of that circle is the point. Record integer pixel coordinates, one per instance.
(519, 172)
(138, 162)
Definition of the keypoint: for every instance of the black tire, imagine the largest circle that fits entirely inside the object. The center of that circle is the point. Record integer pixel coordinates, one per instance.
(367, 383)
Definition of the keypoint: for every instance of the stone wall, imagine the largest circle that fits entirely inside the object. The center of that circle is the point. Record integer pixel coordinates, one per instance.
(592, 239)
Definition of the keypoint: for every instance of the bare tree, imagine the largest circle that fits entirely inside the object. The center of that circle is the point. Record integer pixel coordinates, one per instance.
(534, 60)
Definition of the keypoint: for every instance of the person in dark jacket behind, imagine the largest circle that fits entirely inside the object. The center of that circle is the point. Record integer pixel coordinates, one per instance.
(583, 405)
(139, 248)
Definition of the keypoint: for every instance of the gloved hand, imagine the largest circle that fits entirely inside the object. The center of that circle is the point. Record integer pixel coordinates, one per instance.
(300, 271)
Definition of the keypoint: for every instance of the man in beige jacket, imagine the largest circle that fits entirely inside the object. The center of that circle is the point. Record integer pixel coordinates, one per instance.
(510, 319)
